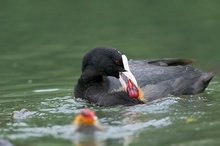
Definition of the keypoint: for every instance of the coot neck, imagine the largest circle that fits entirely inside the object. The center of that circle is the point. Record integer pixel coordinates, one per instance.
(91, 76)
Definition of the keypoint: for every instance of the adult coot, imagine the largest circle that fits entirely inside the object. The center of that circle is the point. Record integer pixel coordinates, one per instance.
(109, 79)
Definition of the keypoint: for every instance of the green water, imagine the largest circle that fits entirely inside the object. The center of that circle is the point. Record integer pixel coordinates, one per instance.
(41, 47)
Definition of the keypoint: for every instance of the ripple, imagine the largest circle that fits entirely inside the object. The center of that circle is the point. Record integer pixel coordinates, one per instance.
(157, 106)
(65, 104)
(46, 90)
(66, 131)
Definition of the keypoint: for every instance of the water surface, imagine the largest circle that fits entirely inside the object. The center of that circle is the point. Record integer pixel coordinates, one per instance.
(42, 44)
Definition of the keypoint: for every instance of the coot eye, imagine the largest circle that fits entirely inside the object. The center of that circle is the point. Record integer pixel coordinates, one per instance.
(117, 62)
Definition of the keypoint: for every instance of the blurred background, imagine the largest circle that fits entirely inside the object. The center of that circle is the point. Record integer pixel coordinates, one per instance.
(42, 44)
(59, 33)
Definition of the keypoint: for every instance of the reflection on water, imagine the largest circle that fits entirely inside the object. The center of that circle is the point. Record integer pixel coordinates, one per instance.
(90, 143)
(46, 90)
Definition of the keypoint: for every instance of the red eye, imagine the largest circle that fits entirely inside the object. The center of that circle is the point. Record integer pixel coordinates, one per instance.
(117, 62)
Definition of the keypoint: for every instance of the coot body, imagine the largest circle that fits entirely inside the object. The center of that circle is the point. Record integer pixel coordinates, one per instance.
(102, 67)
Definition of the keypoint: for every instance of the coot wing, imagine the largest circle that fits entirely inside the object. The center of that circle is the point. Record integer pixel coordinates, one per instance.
(158, 78)
(171, 61)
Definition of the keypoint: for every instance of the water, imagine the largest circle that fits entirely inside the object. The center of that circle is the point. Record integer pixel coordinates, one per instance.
(42, 44)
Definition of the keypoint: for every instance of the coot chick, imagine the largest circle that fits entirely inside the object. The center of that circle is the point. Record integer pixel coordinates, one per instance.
(87, 122)
(109, 79)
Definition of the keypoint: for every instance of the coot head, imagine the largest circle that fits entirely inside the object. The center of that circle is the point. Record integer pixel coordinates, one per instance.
(87, 122)
(105, 61)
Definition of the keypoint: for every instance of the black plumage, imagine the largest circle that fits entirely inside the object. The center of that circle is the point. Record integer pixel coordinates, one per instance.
(101, 67)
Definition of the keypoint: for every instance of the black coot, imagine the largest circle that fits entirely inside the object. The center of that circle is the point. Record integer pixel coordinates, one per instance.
(103, 67)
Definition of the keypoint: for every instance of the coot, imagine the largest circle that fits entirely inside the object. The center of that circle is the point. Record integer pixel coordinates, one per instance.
(109, 79)
(87, 122)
